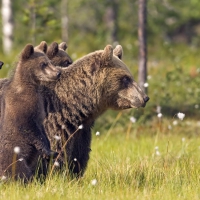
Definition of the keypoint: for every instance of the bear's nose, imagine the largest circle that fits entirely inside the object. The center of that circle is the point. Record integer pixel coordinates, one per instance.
(146, 99)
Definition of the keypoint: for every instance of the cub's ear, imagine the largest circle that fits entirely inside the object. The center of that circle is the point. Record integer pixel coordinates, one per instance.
(107, 54)
(118, 51)
(63, 46)
(42, 46)
(27, 52)
(1, 64)
(52, 50)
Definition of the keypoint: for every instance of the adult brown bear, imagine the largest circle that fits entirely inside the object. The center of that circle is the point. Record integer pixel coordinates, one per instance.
(93, 84)
(22, 115)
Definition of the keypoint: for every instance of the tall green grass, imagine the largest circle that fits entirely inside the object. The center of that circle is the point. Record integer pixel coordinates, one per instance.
(155, 162)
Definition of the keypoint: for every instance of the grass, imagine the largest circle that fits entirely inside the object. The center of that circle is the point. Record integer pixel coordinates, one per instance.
(129, 166)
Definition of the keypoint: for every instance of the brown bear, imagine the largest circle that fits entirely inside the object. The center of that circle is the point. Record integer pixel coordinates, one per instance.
(93, 84)
(22, 115)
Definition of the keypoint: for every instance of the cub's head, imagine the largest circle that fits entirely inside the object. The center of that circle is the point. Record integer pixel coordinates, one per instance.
(120, 89)
(57, 54)
(35, 65)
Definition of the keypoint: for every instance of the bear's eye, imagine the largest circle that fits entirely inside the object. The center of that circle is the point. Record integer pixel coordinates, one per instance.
(43, 65)
(126, 81)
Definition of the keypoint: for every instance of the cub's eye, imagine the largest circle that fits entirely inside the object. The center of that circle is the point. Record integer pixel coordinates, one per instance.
(43, 65)
(126, 81)
(65, 63)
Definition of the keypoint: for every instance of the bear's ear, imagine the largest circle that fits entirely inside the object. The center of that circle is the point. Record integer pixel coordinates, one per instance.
(42, 46)
(118, 51)
(107, 54)
(52, 50)
(63, 46)
(27, 52)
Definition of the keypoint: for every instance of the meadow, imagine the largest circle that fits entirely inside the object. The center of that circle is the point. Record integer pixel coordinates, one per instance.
(147, 153)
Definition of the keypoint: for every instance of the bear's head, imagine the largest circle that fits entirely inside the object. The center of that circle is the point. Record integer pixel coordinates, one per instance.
(57, 54)
(35, 65)
(121, 90)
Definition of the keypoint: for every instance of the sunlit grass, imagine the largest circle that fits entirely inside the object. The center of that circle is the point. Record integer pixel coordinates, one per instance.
(125, 166)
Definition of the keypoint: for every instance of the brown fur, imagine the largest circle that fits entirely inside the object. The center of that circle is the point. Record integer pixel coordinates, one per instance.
(22, 115)
(93, 84)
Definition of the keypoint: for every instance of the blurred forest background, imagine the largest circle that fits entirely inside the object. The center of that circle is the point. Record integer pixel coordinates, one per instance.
(173, 38)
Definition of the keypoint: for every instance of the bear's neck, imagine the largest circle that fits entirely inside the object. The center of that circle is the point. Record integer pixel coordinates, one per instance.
(80, 96)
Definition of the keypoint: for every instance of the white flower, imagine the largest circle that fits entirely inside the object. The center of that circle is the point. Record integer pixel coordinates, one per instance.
(97, 133)
(94, 181)
(75, 159)
(81, 126)
(3, 178)
(159, 115)
(56, 163)
(21, 159)
(146, 85)
(158, 109)
(17, 150)
(169, 127)
(196, 106)
(180, 115)
(175, 122)
(57, 137)
(157, 151)
(149, 77)
(133, 119)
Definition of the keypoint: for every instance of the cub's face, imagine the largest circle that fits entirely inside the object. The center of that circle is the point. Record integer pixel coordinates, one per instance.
(62, 59)
(36, 66)
(44, 70)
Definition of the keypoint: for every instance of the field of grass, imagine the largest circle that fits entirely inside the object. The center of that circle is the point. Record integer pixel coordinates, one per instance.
(159, 160)
(153, 158)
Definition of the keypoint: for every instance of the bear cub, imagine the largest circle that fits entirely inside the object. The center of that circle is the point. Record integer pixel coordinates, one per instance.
(23, 139)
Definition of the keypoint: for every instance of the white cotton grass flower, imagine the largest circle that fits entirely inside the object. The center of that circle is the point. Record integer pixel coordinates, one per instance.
(183, 139)
(180, 115)
(169, 127)
(21, 159)
(158, 109)
(97, 133)
(57, 137)
(157, 151)
(81, 126)
(17, 150)
(3, 178)
(175, 123)
(56, 163)
(133, 119)
(94, 182)
(146, 85)
(159, 115)
(75, 159)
